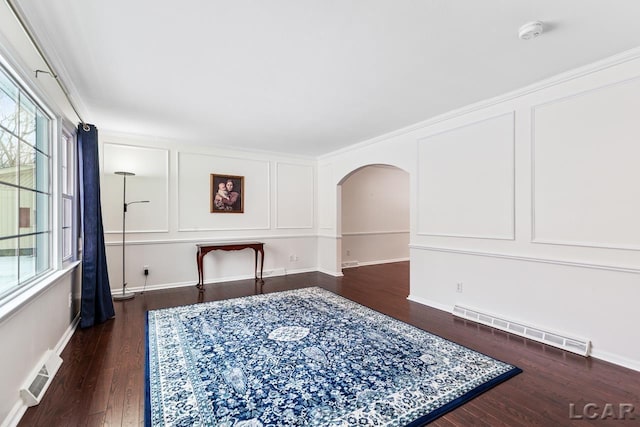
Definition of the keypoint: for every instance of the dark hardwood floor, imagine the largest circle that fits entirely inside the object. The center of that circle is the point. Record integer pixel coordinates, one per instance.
(101, 381)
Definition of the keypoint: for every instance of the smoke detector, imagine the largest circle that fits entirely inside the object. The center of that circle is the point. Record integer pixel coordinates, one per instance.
(530, 30)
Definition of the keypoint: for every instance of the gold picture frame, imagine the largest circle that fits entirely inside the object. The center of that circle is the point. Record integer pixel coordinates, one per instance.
(227, 193)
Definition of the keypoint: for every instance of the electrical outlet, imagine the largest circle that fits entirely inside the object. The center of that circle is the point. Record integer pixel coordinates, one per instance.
(459, 287)
(145, 270)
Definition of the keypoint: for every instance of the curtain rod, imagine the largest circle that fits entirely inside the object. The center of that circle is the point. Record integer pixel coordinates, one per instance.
(51, 71)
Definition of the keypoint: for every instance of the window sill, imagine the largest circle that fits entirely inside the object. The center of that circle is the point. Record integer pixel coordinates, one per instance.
(14, 304)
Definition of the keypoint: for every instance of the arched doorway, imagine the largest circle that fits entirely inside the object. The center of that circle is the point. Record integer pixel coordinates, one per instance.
(373, 216)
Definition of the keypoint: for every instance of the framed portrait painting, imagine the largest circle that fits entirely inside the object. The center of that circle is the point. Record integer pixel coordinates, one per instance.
(227, 193)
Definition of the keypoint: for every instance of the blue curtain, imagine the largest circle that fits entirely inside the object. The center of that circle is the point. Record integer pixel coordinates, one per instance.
(96, 304)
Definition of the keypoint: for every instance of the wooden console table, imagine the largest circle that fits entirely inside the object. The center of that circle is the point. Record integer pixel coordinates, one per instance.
(205, 248)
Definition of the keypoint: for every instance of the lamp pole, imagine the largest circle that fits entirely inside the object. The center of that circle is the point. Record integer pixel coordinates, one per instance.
(125, 295)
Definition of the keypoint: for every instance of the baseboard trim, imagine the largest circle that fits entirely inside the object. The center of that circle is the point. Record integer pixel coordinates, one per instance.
(595, 353)
(330, 273)
(17, 412)
(429, 303)
(616, 359)
(350, 264)
(160, 286)
(301, 270)
(384, 261)
(67, 335)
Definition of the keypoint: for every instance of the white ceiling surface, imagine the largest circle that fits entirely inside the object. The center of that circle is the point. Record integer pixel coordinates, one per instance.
(308, 77)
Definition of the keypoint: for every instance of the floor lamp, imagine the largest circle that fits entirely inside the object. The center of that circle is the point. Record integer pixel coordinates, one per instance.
(125, 295)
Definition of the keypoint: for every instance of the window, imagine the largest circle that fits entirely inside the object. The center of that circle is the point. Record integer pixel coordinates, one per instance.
(69, 204)
(25, 188)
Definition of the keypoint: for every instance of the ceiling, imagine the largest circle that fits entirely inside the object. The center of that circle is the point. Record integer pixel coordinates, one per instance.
(308, 77)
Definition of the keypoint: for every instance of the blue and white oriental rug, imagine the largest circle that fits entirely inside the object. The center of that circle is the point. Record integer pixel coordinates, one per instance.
(305, 357)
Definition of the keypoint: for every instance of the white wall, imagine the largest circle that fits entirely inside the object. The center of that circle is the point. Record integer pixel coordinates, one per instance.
(44, 322)
(560, 250)
(279, 209)
(530, 200)
(375, 216)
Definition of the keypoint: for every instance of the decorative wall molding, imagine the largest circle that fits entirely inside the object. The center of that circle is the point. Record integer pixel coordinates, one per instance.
(595, 245)
(278, 224)
(527, 259)
(166, 152)
(326, 197)
(374, 233)
(191, 230)
(581, 93)
(490, 117)
(534, 232)
(210, 240)
(267, 208)
(329, 236)
(136, 231)
(468, 236)
(510, 234)
(556, 80)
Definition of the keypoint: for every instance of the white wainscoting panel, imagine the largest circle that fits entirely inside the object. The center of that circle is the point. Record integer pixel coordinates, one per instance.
(586, 174)
(466, 181)
(326, 197)
(294, 196)
(151, 182)
(565, 299)
(172, 263)
(194, 193)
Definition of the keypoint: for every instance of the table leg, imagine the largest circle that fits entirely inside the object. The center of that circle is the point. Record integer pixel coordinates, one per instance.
(255, 264)
(199, 257)
(261, 261)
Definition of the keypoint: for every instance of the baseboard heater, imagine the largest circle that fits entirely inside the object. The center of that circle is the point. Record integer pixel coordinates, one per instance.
(41, 379)
(574, 345)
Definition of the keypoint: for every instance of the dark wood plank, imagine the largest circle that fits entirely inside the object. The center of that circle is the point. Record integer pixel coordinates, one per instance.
(101, 381)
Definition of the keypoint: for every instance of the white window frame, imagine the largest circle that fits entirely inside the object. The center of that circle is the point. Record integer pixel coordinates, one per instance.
(28, 289)
(69, 207)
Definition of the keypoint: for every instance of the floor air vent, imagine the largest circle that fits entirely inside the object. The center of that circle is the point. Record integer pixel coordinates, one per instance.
(32, 393)
(350, 264)
(574, 345)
